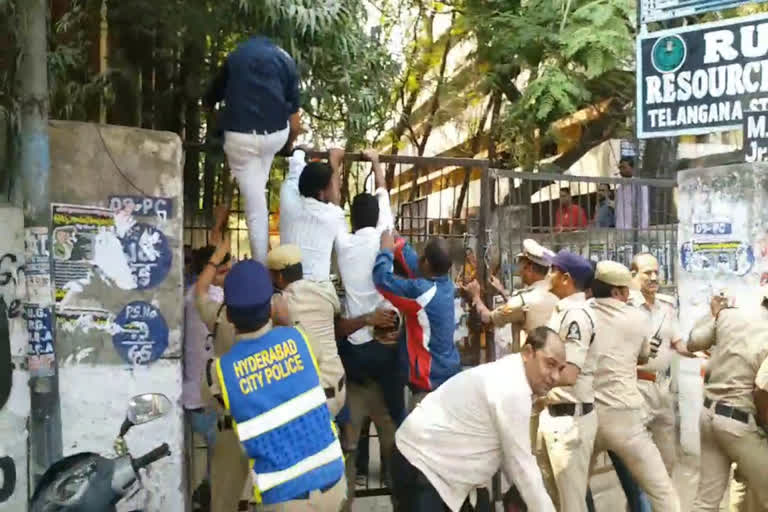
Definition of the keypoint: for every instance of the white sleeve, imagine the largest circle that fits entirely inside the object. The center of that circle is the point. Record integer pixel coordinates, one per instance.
(512, 414)
(385, 210)
(289, 191)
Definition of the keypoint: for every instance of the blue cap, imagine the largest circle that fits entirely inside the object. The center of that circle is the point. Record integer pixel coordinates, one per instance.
(576, 266)
(247, 286)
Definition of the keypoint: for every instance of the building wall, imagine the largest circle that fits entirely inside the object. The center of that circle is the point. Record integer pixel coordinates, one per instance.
(14, 406)
(119, 290)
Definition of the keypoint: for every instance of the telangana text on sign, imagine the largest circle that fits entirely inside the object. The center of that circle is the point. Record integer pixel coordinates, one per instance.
(703, 78)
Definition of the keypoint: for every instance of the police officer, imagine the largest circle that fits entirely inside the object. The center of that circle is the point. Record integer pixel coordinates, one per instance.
(730, 431)
(268, 382)
(528, 308)
(568, 425)
(229, 465)
(314, 308)
(620, 344)
(653, 377)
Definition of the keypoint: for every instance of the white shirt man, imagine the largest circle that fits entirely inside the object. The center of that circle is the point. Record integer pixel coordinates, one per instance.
(313, 224)
(477, 421)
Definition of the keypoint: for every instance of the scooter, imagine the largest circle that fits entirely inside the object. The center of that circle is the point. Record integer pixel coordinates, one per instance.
(88, 482)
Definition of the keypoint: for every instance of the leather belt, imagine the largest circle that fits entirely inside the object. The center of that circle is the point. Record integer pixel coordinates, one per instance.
(570, 409)
(224, 423)
(644, 375)
(331, 392)
(728, 411)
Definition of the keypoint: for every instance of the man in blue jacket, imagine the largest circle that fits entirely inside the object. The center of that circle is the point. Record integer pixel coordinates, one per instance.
(428, 355)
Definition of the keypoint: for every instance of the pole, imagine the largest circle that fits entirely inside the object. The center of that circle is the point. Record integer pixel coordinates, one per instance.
(35, 165)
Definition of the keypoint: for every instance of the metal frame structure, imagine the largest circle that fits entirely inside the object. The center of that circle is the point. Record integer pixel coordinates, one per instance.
(426, 196)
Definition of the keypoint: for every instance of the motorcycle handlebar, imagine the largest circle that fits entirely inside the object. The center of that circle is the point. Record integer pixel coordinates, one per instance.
(158, 453)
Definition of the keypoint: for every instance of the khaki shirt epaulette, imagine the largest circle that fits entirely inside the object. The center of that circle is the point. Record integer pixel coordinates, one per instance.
(668, 299)
(528, 308)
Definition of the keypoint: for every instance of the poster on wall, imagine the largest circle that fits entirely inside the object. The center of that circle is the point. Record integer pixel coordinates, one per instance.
(78, 241)
(40, 354)
(123, 252)
(702, 78)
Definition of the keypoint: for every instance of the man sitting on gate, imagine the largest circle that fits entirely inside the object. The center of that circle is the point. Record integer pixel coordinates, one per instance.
(268, 382)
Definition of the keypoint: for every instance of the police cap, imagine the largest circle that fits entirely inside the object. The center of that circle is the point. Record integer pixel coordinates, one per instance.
(283, 256)
(613, 273)
(574, 265)
(247, 286)
(535, 252)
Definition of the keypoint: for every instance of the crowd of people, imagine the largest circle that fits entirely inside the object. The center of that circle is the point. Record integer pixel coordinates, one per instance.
(280, 373)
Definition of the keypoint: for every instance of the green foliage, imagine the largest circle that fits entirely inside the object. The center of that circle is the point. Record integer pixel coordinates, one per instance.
(558, 52)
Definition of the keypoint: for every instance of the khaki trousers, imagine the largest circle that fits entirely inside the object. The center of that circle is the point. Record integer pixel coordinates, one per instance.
(624, 432)
(229, 472)
(365, 400)
(331, 500)
(723, 441)
(568, 441)
(660, 405)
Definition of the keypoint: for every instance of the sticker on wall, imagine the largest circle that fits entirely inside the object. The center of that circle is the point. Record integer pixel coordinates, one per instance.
(158, 207)
(148, 253)
(143, 335)
(38, 265)
(84, 237)
(731, 257)
(40, 353)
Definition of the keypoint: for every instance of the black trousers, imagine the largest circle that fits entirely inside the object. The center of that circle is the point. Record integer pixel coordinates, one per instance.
(412, 492)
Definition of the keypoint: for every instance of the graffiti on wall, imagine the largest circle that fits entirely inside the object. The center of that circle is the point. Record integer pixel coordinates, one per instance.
(12, 293)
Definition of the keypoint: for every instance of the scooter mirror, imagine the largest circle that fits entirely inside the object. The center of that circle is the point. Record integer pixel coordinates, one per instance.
(148, 407)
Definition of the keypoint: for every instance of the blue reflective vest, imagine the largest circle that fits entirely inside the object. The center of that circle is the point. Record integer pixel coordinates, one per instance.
(271, 387)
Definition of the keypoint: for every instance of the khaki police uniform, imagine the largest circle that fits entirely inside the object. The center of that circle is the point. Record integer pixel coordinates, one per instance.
(530, 307)
(568, 426)
(653, 377)
(620, 342)
(737, 343)
(314, 307)
(229, 465)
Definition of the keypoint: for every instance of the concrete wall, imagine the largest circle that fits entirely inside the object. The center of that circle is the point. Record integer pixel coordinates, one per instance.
(14, 407)
(118, 280)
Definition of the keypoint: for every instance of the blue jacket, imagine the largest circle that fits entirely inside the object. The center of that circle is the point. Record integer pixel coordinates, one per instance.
(271, 387)
(428, 355)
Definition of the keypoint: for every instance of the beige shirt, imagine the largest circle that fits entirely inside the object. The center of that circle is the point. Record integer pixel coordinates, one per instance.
(573, 320)
(620, 341)
(738, 345)
(314, 306)
(661, 319)
(526, 309)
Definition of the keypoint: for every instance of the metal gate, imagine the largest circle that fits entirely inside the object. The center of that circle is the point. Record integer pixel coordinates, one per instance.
(485, 213)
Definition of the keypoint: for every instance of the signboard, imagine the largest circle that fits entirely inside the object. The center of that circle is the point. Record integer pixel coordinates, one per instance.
(703, 78)
(755, 130)
(658, 10)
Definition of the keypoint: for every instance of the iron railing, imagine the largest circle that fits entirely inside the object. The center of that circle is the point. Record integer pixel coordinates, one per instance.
(485, 213)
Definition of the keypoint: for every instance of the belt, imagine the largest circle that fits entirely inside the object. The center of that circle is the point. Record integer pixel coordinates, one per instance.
(728, 411)
(331, 392)
(570, 409)
(224, 423)
(644, 375)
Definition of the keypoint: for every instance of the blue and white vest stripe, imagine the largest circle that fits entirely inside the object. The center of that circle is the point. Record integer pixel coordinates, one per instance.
(271, 387)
